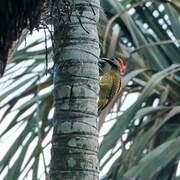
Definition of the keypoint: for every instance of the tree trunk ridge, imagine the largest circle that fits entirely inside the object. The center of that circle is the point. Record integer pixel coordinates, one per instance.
(76, 85)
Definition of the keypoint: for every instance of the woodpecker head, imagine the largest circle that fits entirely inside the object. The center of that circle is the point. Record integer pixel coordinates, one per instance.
(106, 64)
(119, 64)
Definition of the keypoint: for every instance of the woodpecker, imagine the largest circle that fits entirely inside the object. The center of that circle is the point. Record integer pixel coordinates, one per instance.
(110, 80)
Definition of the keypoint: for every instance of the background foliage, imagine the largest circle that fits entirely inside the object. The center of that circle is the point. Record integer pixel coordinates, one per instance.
(139, 131)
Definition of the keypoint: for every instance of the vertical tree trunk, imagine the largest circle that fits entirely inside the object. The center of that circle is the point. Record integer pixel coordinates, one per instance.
(76, 53)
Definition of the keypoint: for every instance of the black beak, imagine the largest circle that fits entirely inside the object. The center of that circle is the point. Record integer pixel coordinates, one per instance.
(111, 61)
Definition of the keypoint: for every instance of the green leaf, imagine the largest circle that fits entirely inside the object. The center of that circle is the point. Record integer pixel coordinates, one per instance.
(155, 161)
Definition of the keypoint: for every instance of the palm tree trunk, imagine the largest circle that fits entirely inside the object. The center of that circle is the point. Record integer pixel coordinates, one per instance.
(76, 53)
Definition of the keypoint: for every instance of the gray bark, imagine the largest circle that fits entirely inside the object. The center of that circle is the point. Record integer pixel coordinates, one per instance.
(76, 52)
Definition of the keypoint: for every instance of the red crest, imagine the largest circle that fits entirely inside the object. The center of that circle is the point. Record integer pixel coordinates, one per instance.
(121, 64)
